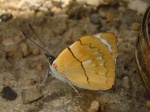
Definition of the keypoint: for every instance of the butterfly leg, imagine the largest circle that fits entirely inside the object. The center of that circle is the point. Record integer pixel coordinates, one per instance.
(71, 85)
(48, 72)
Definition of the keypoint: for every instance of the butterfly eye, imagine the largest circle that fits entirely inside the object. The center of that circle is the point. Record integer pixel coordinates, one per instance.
(50, 58)
(54, 65)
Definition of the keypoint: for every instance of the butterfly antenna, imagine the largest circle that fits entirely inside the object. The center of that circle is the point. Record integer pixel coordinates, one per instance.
(34, 42)
(38, 37)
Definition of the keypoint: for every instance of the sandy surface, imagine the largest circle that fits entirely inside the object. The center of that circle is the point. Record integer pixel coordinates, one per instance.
(23, 65)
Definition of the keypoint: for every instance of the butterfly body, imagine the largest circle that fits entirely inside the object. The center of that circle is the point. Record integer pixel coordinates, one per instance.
(89, 63)
(56, 74)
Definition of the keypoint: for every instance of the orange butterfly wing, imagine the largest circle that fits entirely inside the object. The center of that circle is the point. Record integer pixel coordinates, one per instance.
(89, 63)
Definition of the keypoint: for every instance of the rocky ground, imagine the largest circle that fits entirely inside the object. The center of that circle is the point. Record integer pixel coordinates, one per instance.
(23, 65)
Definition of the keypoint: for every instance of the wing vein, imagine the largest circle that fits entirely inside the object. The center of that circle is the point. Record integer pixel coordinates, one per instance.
(80, 63)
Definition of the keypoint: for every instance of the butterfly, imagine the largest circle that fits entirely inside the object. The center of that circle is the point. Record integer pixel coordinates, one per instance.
(88, 63)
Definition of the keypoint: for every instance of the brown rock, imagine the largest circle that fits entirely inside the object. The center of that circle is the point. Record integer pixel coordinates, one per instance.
(30, 95)
(126, 83)
(25, 50)
(39, 67)
(94, 107)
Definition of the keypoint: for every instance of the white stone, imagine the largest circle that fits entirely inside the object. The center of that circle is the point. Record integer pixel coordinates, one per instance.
(138, 5)
(93, 2)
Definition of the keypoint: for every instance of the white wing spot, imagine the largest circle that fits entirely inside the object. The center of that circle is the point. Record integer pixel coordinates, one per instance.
(86, 62)
(104, 41)
(96, 53)
(99, 58)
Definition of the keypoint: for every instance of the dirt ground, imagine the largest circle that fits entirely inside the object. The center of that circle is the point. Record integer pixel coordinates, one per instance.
(23, 65)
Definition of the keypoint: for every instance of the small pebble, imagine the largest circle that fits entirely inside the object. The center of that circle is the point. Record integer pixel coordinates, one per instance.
(5, 17)
(93, 2)
(11, 5)
(48, 4)
(94, 107)
(126, 83)
(39, 67)
(34, 4)
(36, 51)
(56, 10)
(31, 13)
(135, 26)
(148, 105)
(8, 41)
(40, 14)
(30, 95)
(95, 19)
(8, 94)
(43, 9)
(25, 50)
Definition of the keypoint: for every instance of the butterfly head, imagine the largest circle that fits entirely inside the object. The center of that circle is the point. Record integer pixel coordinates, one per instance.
(50, 58)
(53, 68)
